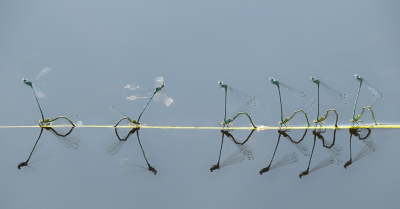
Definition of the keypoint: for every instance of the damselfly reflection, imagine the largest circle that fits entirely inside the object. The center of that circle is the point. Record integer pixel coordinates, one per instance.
(243, 152)
(155, 93)
(364, 135)
(377, 98)
(288, 158)
(248, 103)
(341, 102)
(37, 93)
(116, 146)
(334, 150)
(306, 104)
(66, 139)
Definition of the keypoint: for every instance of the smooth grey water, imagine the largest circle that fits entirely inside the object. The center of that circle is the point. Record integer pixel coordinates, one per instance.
(95, 49)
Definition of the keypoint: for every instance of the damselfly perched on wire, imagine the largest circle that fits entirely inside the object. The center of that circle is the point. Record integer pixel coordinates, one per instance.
(340, 104)
(37, 93)
(154, 94)
(306, 104)
(376, 100)
(248, 103)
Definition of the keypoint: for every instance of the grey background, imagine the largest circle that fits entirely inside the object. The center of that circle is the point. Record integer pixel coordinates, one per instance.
(96, 48)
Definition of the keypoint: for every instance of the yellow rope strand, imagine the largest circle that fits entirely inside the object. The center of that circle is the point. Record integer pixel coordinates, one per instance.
(259, 128)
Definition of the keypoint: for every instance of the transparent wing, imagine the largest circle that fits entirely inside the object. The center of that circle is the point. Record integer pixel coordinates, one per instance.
(117, 113)
(336, 152)
(115, 147)
(286, 160)
(377, 96)
(309, 105)
(43, 72)
(366, 150)
(68, 141)
(303, 148)
(370, 143)
(73, 115)
(334, 93)
(248, 103)
(246, 150)
(235, 157)
(38, 92)
(375, 92)
(125, 161)
(293, 91)
(323, 163)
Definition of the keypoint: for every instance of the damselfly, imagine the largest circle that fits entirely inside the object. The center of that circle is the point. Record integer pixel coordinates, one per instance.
(306, 104)
(340, 105)
(37, 93)
(249, 103)
(377, 98)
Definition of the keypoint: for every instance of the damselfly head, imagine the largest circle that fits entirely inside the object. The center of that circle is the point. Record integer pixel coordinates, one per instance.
(222, 84)
(214, 167)
(27, 82)
(273, 81)
(22, 165)
(315, 80)
(359, 78)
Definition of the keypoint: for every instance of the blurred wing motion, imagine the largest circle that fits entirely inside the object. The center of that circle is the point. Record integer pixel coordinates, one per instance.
(144, 93)
(37, 90)
(43, 72)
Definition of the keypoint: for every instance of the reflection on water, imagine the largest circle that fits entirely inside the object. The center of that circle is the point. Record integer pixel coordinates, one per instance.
(288, 158)
(334, 150)
(364, 135)
(66, 139)
(116, 146)
(242, 153)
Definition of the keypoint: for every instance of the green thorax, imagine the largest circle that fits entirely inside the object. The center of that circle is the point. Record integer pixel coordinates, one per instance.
(45, 121)
(356, 118)
(223, 85)
(359, 78)
(273, 81)
(27, 82)
(320, 119)
(314, 80)
(134, 122)
(158, 88)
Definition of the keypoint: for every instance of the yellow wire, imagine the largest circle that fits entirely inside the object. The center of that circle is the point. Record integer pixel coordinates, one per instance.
(392, 126)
